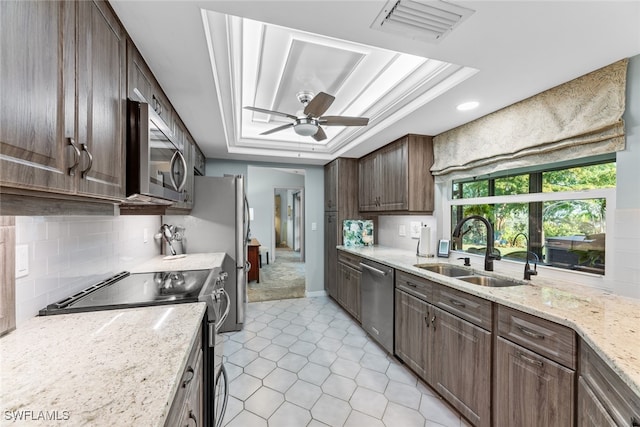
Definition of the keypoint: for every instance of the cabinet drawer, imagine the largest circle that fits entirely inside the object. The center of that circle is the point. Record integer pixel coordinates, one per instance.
(414, 285)
(187, 379)
(547, 338)
(622, 404)
(469, 307)
(350, 260)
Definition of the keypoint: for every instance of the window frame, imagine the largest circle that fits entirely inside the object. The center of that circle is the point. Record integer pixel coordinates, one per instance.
(609, 194)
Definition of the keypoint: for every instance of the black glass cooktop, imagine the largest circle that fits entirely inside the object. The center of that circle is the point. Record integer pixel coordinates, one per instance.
(131, 290)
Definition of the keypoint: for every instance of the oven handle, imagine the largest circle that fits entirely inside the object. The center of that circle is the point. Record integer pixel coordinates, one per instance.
(223, 372)
(224, 316)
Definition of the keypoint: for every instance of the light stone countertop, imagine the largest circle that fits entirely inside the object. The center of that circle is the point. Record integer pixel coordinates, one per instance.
(198, 261)
(610, 324)
(100, 368)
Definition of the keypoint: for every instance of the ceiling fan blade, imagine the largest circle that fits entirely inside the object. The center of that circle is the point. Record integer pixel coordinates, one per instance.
(343, 121)
(320, 135)
(319, 104)
(265, 111)
(278, 129)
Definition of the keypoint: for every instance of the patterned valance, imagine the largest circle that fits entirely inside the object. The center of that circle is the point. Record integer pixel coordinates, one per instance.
(580, 118)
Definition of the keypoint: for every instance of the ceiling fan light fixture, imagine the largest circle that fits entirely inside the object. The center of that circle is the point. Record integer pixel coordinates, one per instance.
(306, 127)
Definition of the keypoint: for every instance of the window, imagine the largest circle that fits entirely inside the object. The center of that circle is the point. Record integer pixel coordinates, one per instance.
(557, 214)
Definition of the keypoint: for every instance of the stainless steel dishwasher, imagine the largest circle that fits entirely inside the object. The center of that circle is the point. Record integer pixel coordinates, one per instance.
(376, 288)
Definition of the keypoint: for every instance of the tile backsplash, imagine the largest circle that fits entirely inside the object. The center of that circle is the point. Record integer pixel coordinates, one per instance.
(391, 226)
(66, 254)
(626, 253)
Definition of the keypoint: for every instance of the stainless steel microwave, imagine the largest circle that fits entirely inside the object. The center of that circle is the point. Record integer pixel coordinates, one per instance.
(156, 165)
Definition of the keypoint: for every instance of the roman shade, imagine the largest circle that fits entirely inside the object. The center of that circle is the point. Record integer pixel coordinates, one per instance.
(580, 118)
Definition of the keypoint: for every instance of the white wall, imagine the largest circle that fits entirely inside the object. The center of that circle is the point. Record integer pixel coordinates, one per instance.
(313, 209)
(626, 237)
(67, 254)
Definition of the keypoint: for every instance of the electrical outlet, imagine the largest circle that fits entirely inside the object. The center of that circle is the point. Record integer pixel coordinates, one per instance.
(415, 229)
(402, 231)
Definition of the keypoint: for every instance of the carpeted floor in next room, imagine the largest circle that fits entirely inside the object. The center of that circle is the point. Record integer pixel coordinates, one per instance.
(282, 279)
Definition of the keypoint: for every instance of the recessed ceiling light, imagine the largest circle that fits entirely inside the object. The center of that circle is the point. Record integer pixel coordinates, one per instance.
(466, 106)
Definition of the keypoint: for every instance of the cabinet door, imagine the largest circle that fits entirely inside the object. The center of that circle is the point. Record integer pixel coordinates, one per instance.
(7, 276)
(368, 184)
(350, 290)
(591, 413)
(331, 254)
(412, 334)
(531, 390)
(192, 411)
(37, 40)
(101, 99)
(331, 186)
(462, 366)
(393, 178)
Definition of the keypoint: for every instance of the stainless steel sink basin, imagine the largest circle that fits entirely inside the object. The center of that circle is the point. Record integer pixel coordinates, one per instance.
(492, 282)
(446, 269)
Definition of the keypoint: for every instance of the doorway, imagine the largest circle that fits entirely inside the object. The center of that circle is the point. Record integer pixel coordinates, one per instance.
(288, 222)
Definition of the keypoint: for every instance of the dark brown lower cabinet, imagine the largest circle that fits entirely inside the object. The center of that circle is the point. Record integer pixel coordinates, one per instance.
(531, 390)
(331, 254)
(591, 413)
(412, 334)
(349, 289)
(462, 366)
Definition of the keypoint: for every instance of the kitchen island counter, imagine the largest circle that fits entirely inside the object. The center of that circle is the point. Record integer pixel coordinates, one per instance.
(607, 322)
(100, 368)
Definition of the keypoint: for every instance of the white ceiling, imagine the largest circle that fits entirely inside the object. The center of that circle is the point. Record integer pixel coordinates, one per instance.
(211, 65)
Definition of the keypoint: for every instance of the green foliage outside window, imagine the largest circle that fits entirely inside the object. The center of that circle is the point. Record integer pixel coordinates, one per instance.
(571, 232)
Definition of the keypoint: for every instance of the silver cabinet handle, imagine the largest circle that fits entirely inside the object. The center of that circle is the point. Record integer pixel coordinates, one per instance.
(375, 270)
(413, 285)
(192, 416)
(530, 360)
(86, 150)
(76, 157)
(530, 333)
(457, 303)
(191, 373)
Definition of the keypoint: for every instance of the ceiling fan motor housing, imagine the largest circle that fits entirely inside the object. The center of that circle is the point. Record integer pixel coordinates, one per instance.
(305, 96)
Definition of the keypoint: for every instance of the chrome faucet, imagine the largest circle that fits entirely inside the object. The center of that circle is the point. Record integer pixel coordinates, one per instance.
(489, 256)
(528, 272)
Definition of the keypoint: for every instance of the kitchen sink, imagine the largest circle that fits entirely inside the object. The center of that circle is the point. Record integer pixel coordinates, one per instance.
(446, 269)
(492, 282)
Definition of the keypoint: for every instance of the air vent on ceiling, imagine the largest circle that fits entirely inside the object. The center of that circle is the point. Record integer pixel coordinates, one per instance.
(422, 20)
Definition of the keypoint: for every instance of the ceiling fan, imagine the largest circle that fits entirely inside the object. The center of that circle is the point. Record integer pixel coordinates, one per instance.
(307, 122)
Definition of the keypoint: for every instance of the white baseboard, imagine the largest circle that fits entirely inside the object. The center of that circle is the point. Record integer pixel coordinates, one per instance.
(315, 294)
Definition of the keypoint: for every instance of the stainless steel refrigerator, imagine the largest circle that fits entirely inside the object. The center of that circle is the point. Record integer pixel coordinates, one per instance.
(219, 222)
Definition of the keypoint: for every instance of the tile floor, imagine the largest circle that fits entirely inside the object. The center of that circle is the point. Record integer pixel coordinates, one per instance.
(305, 362)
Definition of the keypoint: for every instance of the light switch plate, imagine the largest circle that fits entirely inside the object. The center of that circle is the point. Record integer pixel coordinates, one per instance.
(415, 229)
(314, 226)
(402, 231)
(22, 261)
